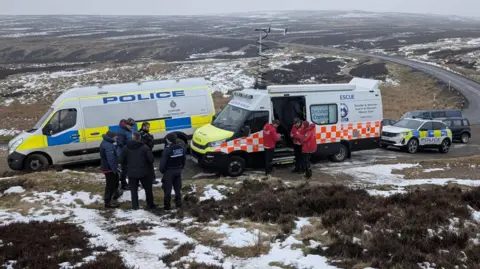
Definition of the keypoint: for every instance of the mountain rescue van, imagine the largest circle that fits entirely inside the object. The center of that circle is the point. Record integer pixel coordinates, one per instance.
(72, 129)
(348, 118)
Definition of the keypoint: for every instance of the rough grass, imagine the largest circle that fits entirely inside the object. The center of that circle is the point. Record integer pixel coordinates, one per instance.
(399, 231)
(182, 251)
(415, 91)
(47, 244)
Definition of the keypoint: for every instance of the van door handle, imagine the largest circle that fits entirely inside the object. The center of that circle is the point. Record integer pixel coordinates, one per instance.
(75, 136)
(96, 133)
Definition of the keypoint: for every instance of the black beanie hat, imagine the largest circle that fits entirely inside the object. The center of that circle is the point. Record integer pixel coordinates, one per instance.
(111, 134)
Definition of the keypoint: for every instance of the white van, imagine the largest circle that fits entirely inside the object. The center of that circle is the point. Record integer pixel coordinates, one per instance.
(72, 129)
(348, 118)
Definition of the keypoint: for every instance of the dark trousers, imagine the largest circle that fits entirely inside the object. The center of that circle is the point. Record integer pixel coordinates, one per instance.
(299, 162)
(110, 186)
(147, 186)
(172, 178)
(308, 166)
(268, 161)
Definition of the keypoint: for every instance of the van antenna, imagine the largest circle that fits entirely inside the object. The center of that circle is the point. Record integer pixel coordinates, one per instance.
(263, 59)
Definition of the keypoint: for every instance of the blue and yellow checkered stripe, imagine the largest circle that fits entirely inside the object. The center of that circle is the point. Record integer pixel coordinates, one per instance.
(430, 133)
(95, 134)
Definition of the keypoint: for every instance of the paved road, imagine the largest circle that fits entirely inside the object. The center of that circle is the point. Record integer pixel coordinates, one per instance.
(469, 88)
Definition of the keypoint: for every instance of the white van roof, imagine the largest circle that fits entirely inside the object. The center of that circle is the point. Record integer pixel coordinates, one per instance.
(356, 84)
(131, 87)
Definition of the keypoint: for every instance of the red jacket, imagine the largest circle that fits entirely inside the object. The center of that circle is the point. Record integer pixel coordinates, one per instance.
(309, 143)
(297, 134)
(270, 136)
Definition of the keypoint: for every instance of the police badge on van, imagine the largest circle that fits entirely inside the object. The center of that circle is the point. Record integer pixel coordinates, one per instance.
(344, 112)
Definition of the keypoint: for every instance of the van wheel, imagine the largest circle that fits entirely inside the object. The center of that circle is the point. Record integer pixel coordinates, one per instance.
(412, 146)
(36, 163)
(465, 138)
(341, 154)
(235, 166)
(445, 146)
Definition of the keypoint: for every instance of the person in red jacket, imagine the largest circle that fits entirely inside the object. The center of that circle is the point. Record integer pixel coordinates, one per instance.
(309, 146)
(270, 138)
(296, 134)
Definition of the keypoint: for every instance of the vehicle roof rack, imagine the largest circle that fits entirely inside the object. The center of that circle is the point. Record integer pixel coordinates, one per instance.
(422, 118)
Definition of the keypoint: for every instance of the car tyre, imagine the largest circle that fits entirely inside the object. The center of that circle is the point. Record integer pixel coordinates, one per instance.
(341, 155)
(235, 166)
(36, 163)
(412, 146)
(445, 146)
(383, 146)
(464, 138)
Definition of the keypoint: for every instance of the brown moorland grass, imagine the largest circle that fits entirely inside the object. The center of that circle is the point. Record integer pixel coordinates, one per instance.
(398, 231)
(47, 244)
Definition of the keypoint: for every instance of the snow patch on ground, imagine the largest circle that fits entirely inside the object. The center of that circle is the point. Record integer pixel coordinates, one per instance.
(433, 170)
(14, 190)
(212, 192)
(237, 237)
(10, 132)
(65, 198)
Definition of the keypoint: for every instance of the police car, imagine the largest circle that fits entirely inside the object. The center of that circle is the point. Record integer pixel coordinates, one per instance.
(413, 133)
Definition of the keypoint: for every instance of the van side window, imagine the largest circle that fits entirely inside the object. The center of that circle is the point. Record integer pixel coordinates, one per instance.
(439, 114)
(324, 114)
(454, 113)
(63, 120)
(466, 123)
(426, 114)
(257, 121)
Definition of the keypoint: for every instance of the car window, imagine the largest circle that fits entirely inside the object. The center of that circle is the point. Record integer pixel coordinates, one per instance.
(408, 123)
(448, 123)
(426, 114)
(427, 125)
(454, 113)
(439, 126)
(439, 114)
(324, 114)
(62, 120)
(466, 123)
(457, 123)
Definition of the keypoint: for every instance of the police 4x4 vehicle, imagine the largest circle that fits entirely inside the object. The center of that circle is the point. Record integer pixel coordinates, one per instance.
(412, 134)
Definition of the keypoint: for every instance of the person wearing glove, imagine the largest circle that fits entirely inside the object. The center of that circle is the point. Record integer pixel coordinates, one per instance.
(171, 166)
(270, 138)
(296, 134)
(109, 167)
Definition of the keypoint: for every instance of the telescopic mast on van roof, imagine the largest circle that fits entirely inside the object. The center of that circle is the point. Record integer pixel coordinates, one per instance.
(260, 83)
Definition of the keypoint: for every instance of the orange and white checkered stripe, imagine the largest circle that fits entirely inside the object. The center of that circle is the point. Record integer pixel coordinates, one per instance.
(324, 134)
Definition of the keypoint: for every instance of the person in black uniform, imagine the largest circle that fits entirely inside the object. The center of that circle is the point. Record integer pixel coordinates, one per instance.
(171, 166)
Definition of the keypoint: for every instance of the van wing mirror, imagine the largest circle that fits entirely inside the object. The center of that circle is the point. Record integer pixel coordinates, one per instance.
(246, 130)
(47, 130)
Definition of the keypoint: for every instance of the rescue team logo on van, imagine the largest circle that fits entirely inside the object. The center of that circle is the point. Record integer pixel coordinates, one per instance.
(347, 97)
(344, 112)
(142, 97)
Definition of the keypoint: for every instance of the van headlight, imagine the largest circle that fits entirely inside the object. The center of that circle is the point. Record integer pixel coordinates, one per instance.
(15, 145)
(215, 144)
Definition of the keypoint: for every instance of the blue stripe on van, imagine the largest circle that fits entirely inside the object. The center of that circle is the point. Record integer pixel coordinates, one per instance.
(180, 123)
(63, 139)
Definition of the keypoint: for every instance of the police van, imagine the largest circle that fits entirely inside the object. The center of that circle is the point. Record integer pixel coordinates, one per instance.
(412, 134)
(72, 129)
(348, 118)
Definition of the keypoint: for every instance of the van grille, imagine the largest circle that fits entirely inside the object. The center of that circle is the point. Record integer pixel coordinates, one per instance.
(198, 145)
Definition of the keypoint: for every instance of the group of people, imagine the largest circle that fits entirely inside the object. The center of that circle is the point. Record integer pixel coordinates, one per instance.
(304, 140)
(128, 154)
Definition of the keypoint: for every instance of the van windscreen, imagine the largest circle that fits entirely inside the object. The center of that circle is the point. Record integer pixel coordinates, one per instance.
(42, 119)
(231, 118)
(454, 114)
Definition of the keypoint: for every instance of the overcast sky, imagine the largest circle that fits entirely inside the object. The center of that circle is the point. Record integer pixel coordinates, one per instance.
(173, 7)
